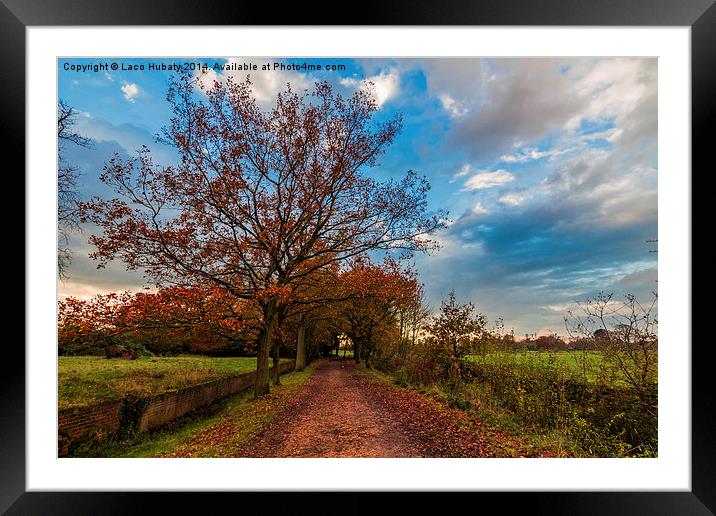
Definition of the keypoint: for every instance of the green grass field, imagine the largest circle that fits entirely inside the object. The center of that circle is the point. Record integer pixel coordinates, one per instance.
(84, 380)
(586, 364)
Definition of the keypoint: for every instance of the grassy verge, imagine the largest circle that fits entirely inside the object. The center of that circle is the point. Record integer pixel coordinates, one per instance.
(218, 430)
(501, 439)
(555, 443)
(84, 380)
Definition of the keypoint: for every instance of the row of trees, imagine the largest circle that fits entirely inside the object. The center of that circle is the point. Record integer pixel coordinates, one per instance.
(369, 299)
(379, 307)
(170, 320)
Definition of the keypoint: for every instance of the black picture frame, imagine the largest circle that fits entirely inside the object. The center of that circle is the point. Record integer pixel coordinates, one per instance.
(16, 15)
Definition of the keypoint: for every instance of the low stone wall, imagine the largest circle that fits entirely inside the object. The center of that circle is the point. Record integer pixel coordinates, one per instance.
(77, 422)
(147, 413)
(165, 407)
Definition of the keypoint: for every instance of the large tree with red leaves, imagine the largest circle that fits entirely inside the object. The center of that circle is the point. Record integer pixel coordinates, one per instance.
(261, 200)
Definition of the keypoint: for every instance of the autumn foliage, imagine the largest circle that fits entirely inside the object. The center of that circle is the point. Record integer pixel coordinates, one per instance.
(375, 294)
(170, 320)
(454, 333)
(261, 202)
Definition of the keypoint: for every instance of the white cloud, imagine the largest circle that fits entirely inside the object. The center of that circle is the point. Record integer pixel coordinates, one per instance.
(643, 169)
(452, 246)
(513, 199)
(130, 91)
(613, 87)
(385, 85)
(561, 308)
(446, 222)
(484, 180)
(464, 170)
(479, 209)
(531, 154)
(206, 78)
(350, 82)
(452, 106)
(265, 85)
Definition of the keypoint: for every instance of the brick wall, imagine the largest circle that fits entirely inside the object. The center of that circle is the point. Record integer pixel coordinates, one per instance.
(165, 407)
(75, 424)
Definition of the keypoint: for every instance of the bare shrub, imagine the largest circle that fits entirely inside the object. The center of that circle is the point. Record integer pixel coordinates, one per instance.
(626, 333)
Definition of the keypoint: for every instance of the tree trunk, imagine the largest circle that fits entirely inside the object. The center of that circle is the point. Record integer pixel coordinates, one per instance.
(263, 345)
(356, 351)
(368, 348)
(276, 360)
(402, 341)
(301, 348)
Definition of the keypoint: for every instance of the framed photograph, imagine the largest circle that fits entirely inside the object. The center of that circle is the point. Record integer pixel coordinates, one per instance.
(416, 252)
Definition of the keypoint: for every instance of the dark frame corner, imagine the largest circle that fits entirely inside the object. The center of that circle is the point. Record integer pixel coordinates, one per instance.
(700, 15)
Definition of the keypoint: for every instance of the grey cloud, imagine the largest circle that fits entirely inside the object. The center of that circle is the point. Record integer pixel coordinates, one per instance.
(108, 139)
(462, 78)
(83, 270)
(525, 102)
(639, 278)
(522, 101)
(130, 137)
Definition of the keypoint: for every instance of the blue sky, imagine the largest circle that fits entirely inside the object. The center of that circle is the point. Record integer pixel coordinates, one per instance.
(548, 168)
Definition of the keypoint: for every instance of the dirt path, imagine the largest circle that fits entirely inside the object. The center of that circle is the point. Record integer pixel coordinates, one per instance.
(334, 415)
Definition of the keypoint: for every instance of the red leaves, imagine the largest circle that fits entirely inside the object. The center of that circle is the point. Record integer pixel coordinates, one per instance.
(386, 282)
(174, 310)
(281, 293)
(441, 431)
(262, 200)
